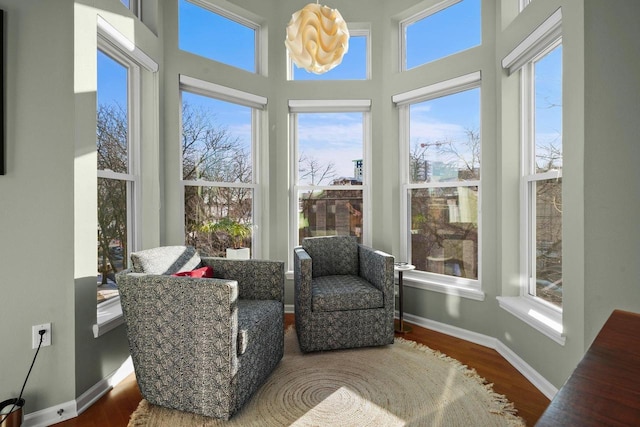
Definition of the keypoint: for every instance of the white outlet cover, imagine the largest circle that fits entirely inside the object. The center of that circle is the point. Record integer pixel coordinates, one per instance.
(46, 339)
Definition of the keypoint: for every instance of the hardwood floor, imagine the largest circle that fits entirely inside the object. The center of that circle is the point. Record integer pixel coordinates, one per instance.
(114, 408)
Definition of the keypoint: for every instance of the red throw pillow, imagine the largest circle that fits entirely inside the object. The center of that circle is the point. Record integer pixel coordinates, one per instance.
(204, 272)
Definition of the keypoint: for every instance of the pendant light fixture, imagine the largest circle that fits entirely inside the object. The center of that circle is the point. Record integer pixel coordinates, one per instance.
(317, 38)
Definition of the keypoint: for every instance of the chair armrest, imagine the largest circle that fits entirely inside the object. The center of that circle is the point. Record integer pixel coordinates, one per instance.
(180, 325)
(377, 268)
(302, 279)
(257, 279)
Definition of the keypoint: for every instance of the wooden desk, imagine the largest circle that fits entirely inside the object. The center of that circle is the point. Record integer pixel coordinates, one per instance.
(604, 389)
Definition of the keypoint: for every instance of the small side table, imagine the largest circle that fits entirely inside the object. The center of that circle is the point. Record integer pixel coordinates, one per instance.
(401, 267)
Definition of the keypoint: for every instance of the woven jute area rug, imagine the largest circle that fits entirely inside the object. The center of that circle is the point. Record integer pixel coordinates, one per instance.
(404, 384)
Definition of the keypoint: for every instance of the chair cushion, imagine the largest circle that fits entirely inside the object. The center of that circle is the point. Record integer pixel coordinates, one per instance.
(332, 255)
(165, 260)
(344, 292)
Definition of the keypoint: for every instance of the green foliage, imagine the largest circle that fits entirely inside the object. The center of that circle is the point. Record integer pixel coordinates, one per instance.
(236, 231)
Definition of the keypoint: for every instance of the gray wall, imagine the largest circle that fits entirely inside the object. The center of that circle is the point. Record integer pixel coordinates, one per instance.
(611, 156)
(47, 208)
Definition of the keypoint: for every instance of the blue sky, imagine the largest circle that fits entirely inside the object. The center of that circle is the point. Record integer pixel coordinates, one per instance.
(112, 81)
(459, 25)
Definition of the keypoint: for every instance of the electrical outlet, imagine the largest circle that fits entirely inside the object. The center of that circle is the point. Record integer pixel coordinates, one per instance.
(35, 333)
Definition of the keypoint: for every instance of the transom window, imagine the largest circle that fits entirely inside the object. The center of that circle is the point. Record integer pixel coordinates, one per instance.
(214, 33)
(448, 27)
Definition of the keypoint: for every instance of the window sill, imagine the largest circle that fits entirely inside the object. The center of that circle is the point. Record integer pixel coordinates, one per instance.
(544, 319)
(415, 280)
(109, 317)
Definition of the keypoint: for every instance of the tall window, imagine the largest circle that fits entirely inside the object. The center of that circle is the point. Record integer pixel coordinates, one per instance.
(219, 146)
(537, 62)
(441, 167)
(214, 33)
(330, 169)
(542, 174)
(117, 169)
(448, 27)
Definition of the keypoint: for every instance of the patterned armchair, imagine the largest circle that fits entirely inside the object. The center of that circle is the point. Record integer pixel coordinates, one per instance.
(344, 294)
(202, 345)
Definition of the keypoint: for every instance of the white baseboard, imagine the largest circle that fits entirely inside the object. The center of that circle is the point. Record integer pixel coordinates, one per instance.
(540, 382)
(52, 415)
(73, 408)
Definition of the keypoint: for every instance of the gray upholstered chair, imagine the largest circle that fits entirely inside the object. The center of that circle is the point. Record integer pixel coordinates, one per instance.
(202, 345)
(344, 294)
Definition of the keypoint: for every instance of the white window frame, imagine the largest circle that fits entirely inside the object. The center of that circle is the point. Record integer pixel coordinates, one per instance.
(539, 314)
(356, 29)
(258, 106)
(246, 19)
(467, 288)
(329, 106)
(134, 7)
(117, 46)
(403, 24)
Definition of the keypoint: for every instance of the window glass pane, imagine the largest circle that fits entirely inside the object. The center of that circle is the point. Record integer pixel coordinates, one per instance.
(126, 3)
(112, 147)
(330, 148)
(329, 213)
(216, 37)
(548, 240)
(217, 218)
(444, 230)
(112, 234)
(216, 140)
(112, 116)
(448, 31)
(352, 67)
(444, 135)
(548, 111)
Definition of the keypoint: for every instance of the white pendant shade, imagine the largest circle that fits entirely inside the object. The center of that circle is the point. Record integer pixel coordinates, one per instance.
(317, 38)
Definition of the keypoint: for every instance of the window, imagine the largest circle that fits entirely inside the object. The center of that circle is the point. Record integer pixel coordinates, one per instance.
(330, 169)
(537, 60)
(448, 27)
(355, 65)
(117, 167)
(121, 67)
(542, 174)
(219, 157)
(441, 142)
(214, 33)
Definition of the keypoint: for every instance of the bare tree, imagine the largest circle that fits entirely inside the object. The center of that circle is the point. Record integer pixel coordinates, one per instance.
(211, 153)
(112, 150)
(207, 148)
(316, 172)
